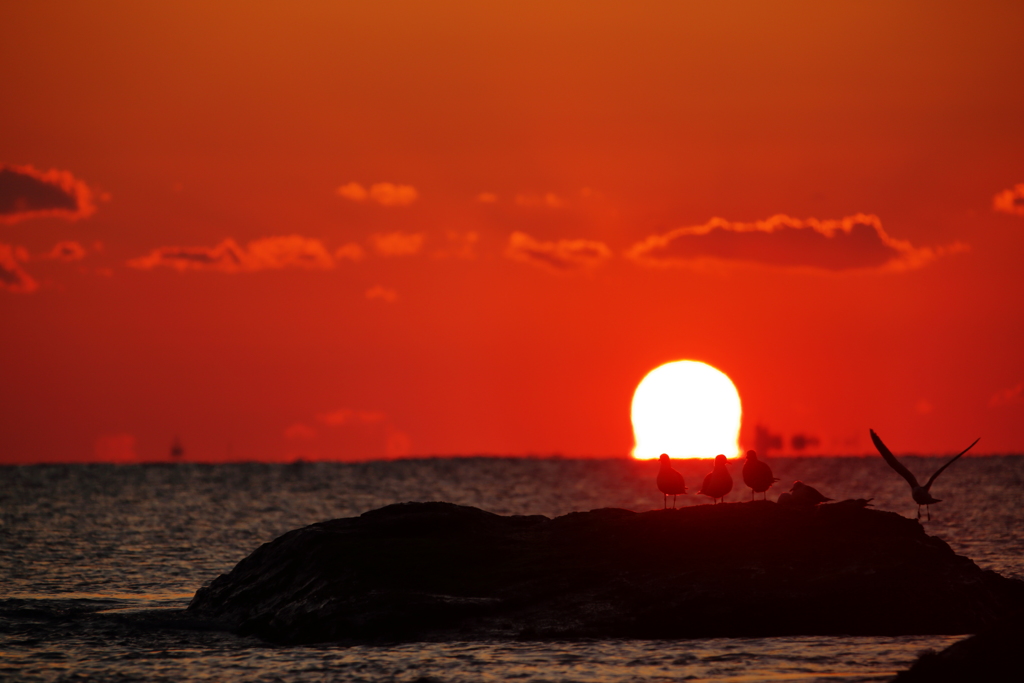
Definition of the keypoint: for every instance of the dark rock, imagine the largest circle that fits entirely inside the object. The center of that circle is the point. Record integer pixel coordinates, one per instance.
(443, 571)
(993, 655)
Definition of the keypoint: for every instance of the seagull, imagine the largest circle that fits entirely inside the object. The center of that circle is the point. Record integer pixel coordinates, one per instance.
(670, 482)
(802, 494)
(757, 475)
(719, 482)
(921, 494)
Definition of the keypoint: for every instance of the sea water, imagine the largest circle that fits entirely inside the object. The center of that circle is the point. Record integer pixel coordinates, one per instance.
(98, 562)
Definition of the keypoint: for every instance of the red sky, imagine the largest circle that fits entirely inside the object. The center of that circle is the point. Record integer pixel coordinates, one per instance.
(341, 230)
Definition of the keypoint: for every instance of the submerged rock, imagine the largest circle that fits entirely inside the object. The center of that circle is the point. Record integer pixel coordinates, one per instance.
(442, 571)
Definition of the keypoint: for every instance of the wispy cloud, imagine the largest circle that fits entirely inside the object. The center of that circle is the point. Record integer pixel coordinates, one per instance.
(350, 252)
(397, 243)
(299, 431)
(1010, 201)
(561, 256)
(383, 293)
(353, 192)
(458, 245)
(354, 434)
(269, 253)
(385, 194)
(66, 251)
(852, 243)
(13, 277)
(1006, 396)
(389, 194)
(28, 193)
(548, 200)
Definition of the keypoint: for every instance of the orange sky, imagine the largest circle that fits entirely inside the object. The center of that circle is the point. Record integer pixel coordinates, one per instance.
(341, 230)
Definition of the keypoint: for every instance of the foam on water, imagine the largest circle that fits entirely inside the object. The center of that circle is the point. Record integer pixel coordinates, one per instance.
(97, 563)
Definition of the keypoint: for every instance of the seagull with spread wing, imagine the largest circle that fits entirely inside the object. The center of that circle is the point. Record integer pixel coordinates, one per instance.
(921, 494)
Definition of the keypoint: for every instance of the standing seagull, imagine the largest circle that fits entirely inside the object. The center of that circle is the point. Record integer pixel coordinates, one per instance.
(757, 475)
(670, 482)
(920, 493)
(719, 482)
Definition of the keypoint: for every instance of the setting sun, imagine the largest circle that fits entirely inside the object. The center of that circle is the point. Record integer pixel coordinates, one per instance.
(686, 409)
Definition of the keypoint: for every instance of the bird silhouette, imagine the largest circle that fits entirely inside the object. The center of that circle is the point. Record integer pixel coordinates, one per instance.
(802, 494)
(757, 475)
(921, 494)
(719, 482)
(670, 482)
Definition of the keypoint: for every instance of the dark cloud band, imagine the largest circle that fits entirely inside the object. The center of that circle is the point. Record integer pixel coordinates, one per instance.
(13, 277)
(28, 193)
(853, 243)
(268, 253)
(561, 256)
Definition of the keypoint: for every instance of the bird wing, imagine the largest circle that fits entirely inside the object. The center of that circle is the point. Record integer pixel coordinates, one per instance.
(939, 471)
(894, 463)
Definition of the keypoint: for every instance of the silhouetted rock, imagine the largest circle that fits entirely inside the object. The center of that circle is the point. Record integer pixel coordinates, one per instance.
(993, 655)
(443, 571)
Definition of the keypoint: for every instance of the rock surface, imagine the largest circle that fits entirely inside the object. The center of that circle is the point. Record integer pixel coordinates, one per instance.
(993, 655)
(442, 571)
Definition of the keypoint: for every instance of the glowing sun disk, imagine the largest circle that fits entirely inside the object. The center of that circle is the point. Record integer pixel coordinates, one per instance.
(687, 409)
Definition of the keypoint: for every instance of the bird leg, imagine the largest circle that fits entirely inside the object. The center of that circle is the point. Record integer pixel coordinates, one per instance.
(664, 504)
(929, 509)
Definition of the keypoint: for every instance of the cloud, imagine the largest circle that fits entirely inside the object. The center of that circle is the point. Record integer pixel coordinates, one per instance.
(268, 253)
(458, 245)
(561, 256)
(382, 293)
(66, 251)
(1006, 396)
(548, 200)
(1010, 201)
(350, 434)
(352, 191)
(397, 243)
(855, 242)
(350, 252)
(13, 277)
(385, 194)
(299, 431)
(28, 193)
(487, 197)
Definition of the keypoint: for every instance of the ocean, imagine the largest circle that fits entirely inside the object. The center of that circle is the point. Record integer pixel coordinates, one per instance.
(98, 562)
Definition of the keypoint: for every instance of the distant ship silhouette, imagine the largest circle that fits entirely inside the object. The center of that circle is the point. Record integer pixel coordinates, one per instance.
(177, 450)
